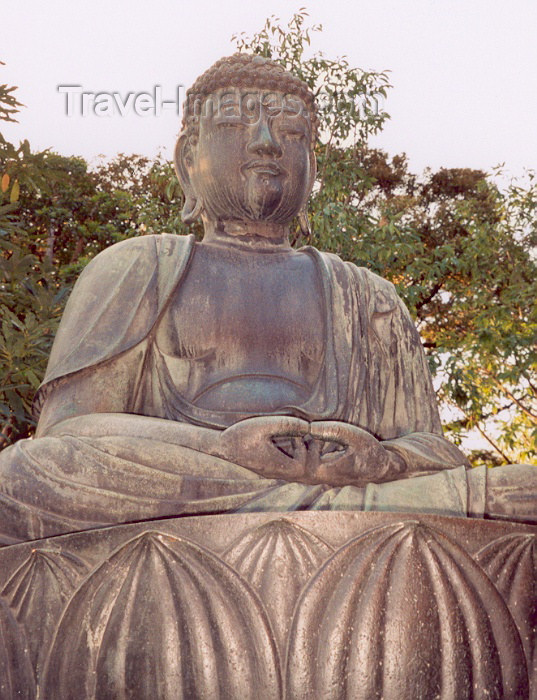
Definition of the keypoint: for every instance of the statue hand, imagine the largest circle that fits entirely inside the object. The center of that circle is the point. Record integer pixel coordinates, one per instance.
(252, 443)
(321, 452)
(358, 459)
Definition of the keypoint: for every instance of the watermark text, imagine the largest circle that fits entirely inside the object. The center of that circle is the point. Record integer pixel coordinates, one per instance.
(81, 103)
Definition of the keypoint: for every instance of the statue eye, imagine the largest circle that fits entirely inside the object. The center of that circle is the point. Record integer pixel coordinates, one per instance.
(230, 124)
(293, 132)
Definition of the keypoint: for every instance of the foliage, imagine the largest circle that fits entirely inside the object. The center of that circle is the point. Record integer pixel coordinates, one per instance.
(9, 105)
(349, 99)
(30, 309)
(30, 296)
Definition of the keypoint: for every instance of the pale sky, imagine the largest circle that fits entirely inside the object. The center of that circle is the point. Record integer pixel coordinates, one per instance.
(464, 71)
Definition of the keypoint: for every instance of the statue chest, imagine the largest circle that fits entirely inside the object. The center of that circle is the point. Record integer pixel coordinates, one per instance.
(245, 330)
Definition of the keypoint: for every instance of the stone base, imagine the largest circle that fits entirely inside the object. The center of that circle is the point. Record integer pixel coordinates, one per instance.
(295, 605)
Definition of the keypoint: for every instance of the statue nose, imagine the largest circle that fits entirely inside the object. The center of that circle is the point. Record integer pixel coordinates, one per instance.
(263, 141)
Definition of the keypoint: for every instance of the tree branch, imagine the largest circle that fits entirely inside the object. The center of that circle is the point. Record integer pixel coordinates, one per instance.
(530, 384)
(506, 391)
(436, 288)
(491, 442)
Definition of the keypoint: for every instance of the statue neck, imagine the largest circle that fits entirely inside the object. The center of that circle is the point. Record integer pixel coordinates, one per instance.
(252, 235)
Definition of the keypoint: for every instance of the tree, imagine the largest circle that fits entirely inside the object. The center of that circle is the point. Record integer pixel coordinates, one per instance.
(9, 105)
(30, 298)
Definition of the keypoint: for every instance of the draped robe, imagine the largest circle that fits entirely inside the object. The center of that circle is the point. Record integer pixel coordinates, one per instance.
(153, 457)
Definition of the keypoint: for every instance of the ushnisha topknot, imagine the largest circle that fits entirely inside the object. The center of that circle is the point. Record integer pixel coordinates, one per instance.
(245, 71)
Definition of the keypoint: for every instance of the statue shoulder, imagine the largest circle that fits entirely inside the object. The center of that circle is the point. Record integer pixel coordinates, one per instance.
(142, 249)
(116, 301)
(128, 264)
(380, 293)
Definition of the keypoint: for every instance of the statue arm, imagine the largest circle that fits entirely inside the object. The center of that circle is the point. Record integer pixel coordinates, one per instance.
(98, 350)
(390, 393)
(105, 388)
(110, 312)
(417, 436)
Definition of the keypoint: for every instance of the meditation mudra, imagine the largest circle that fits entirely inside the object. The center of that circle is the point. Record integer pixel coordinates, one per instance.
(237, 374)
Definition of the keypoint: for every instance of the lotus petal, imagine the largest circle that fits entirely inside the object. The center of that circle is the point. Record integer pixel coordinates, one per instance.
(278, 559)
(511, 564)
(162, 618)
(37, 592)
(402, 612)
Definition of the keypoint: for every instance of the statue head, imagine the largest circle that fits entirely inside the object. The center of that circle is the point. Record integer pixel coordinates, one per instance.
(245, 152)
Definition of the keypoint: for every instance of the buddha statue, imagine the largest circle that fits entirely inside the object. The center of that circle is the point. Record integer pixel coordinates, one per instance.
(237, 374)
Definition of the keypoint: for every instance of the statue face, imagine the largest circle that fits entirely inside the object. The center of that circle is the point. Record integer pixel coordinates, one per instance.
(252, 160)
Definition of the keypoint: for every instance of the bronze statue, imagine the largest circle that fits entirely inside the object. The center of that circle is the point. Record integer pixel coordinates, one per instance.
(238, 374)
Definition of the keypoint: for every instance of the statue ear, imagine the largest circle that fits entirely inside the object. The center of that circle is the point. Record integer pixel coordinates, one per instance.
(313, 169)
(182, 160)
(303, 214)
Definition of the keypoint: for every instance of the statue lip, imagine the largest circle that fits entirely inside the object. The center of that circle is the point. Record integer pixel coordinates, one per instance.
(264, 167)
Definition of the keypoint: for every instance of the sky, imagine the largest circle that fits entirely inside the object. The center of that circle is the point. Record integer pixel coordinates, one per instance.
(464, 72)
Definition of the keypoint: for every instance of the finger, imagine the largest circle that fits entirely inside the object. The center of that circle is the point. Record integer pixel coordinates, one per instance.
(270, 425)
(340, 432)
(287, 426)
(254, 435)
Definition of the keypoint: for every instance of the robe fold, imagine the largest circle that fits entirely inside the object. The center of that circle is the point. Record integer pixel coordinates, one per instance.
(142, 459)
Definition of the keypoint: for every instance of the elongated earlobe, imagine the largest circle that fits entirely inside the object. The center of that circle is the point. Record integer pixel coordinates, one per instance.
(303, 222)
(192, 210)
(182, 159)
